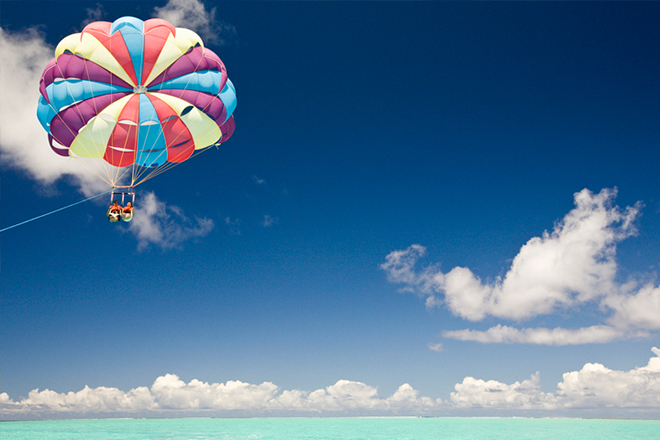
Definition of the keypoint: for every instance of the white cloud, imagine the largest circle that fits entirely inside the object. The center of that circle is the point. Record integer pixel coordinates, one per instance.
(493, 394)
(192, 14)
(173, 393)
(346, 394)
(571, 266)
(406, 397)
(87, 400)
(639, 309)
(597, 386)
(350, 395)
(23, 142)
(592, 387)
(164, 225)
(169, 393)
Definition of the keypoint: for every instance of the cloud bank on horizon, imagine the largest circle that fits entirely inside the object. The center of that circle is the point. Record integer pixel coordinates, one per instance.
(25, 146)
(572, 266)
(594, 386)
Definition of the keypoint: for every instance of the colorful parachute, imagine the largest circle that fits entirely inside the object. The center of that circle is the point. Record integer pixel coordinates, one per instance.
(135, 95)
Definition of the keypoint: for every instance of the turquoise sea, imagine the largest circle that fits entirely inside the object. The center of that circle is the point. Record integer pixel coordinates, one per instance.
(334, 429)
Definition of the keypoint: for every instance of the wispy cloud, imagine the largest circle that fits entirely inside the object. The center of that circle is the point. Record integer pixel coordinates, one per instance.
(233, 225)
(166, 226)
(574, 265)
(543, 336)
(268, 221)
(192, 14)
(96, 13)
(594, 386)
(259, 181)
(436, 347)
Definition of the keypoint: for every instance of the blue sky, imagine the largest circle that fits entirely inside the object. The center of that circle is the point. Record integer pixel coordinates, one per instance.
(426, 208)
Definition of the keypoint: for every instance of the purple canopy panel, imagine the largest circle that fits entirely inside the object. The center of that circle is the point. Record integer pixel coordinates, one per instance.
(217, 111)
(73, 66)
(214, 58)
(213, 62)
(47, 74)
(209, 104)
(67, 123)
(196, 60)
(227, 129)
(60, 151)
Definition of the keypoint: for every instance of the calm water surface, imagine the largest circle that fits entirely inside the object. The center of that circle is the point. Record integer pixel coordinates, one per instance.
(333, 429)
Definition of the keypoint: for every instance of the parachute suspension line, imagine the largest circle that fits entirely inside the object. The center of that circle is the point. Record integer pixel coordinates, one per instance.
(157, 171)
(53, 212)
(126, 138)
(168, 166)
(161, 169)
(133, 173)
(105, 167)
(119, 176)
(81, 160)
(98, 169)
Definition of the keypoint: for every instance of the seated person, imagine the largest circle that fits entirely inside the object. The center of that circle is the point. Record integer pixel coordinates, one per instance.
(127, 212)
(114, 211)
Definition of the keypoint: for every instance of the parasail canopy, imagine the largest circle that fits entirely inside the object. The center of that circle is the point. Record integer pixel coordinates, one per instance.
(133, 95)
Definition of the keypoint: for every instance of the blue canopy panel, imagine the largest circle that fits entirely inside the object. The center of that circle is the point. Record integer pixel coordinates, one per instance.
(207, 81)
(66, 92)
(132, 33)
(45, 113)
(228, 97)
(151, 146)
